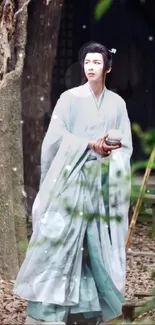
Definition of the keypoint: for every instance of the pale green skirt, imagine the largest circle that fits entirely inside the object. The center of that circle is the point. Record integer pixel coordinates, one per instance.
(98, 295)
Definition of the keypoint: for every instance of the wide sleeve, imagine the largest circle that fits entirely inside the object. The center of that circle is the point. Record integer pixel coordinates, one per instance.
(120, 173)
(59, 128)
(125, 126)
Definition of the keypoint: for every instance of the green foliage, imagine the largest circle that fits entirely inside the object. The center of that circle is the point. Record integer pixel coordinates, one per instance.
(101, 8)
(151, 234)
(147, 138)
(153, 275)
(148, 306)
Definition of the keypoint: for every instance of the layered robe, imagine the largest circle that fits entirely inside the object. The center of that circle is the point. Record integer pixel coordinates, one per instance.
(70, 205)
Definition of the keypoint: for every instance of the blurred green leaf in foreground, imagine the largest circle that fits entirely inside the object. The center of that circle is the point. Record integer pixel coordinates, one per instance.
(101, 8)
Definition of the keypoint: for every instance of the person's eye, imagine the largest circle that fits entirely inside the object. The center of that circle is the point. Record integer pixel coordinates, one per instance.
(97, 62)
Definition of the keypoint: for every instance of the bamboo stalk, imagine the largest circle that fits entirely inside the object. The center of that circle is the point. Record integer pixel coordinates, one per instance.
(140, 198)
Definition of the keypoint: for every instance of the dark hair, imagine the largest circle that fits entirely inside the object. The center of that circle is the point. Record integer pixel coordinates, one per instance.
(93, 47)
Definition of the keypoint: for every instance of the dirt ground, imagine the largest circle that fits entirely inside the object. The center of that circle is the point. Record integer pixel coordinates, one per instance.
(140, 273)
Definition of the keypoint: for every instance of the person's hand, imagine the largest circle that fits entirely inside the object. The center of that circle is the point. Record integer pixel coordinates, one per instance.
(102, 148)
(102, 145)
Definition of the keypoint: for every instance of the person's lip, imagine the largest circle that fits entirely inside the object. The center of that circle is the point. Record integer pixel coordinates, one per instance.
(91, 74)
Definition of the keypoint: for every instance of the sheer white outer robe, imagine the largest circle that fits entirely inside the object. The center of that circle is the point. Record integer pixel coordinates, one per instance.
(52, 269)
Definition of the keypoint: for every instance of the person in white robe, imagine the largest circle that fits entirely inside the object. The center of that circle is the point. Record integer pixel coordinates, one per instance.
(71, 214)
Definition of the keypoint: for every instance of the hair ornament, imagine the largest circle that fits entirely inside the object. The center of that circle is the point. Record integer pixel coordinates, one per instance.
(113, 51)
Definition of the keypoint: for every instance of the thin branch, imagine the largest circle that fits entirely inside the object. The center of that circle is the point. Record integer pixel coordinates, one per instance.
(21, 9)
(138, 253)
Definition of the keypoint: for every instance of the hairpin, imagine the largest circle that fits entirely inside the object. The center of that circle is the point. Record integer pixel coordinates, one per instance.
(113, 51)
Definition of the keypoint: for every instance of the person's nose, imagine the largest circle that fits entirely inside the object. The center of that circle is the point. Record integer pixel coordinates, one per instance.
(90, 67)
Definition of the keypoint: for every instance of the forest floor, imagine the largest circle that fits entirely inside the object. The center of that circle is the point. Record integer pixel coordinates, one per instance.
(140, 278)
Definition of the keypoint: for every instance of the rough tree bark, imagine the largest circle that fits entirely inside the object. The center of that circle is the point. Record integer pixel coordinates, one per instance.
(43, 30)
(12, 205)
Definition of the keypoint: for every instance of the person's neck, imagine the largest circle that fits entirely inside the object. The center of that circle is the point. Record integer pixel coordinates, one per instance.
(97, 88)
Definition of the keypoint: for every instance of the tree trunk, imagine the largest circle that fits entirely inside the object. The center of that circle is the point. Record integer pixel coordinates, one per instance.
(43, 29)
(12, 205)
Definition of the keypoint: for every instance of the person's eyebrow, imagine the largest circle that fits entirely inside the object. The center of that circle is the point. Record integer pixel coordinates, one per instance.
(93, 60)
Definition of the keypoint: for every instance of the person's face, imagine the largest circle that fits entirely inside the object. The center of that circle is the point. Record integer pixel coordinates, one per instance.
(94, 67)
